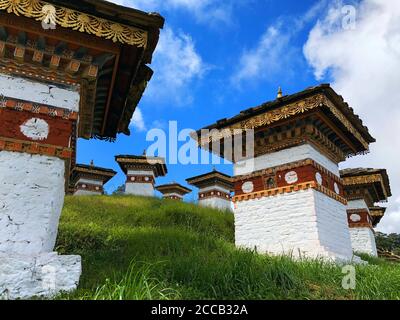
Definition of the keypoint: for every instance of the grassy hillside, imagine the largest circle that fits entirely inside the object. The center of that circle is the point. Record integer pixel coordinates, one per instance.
(141, 248)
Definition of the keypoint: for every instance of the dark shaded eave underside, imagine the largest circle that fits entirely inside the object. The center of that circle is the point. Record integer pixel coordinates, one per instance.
(117, 120)
(211, 178)
(356, 172)
(160, 166)
(175, 187)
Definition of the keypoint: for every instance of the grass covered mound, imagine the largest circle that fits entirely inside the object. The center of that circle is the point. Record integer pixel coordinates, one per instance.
(146, 248)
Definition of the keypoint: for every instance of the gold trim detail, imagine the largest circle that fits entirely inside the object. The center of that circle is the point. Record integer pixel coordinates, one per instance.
(360, 180)
(14, 145)
(75, 20)
(288, 111)
(288, 166)
(377, 212)
(289, 189)
(94, 172)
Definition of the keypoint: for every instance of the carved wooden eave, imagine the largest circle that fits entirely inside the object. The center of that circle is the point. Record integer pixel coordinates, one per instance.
(211, 179)
(173, 188)
(91, 172)
(155, 164)
(49, 13)
(377, 214)
(352, 137)
(97, 46)
(372, 183)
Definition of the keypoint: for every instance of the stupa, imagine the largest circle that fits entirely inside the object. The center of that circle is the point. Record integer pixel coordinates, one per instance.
(141, 173)
(173, 191)
(215, 189)
(363, 189)
(68, 70)
(89, 179)
(289, 197)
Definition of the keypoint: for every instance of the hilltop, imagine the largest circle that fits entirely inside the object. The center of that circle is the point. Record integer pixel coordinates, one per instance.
(148, 248)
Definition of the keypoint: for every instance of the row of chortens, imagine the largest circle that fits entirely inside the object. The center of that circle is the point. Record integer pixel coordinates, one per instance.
(58, 85)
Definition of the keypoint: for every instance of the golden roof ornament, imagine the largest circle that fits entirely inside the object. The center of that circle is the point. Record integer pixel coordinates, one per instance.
(280, 94)
(92, 163)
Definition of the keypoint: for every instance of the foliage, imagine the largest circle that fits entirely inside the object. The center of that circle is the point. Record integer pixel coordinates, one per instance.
(146, 248)
(389, 242)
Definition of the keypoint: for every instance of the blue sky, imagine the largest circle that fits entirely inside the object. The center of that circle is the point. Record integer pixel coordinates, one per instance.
(216, 58)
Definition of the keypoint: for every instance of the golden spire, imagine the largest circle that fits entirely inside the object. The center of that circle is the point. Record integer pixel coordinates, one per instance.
(280, 95)
(92, 163)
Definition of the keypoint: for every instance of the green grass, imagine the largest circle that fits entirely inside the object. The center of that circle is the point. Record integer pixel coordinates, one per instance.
(145, 248)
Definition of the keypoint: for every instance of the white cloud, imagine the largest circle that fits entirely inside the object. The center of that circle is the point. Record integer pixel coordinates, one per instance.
(177, 65)
(365, 66)
(267, 59)
(274, 55)
(203, 10)
(137, 121)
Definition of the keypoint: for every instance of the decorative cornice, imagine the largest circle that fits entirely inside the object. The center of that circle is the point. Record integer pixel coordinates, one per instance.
(20, 105)
(94, 172)
(377, 212)
(289, 189)
(288, 111)
(75, 20)
(140, 179)
(289, 166)
(89, 187)
(363, 180)
(215, 193)
(14, 145)
(211, 179)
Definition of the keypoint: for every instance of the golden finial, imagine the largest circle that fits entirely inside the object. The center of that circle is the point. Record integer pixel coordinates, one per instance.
(92, 163)
(280, 95)
(144, 152)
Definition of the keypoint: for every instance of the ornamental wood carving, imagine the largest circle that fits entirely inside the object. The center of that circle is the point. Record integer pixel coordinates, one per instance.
(75, 20)
(288, 111)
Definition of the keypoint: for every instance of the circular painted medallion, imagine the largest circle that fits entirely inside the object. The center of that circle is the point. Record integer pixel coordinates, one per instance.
(35, 129)
(355, 218)
(291, 177)
(318, 177)
(248, 187)
(336, 187)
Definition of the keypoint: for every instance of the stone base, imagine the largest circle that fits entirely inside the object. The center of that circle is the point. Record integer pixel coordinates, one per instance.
(42, 276)
(216, 203)
(139, 189)
(363, 241)
(303, 224)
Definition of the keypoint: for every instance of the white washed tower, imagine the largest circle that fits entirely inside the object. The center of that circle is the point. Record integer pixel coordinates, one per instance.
(289, 196)
(363, 189)
(141, 173)
(173, 191)
(89, 180)
(215, 190)
(68, 70)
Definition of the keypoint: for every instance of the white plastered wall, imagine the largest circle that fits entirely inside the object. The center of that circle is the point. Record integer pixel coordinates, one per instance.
(304, 223)
(140, 189)
(362, 239)
(41, 93)
(31, 199)
(81, 192)
(216, 202)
